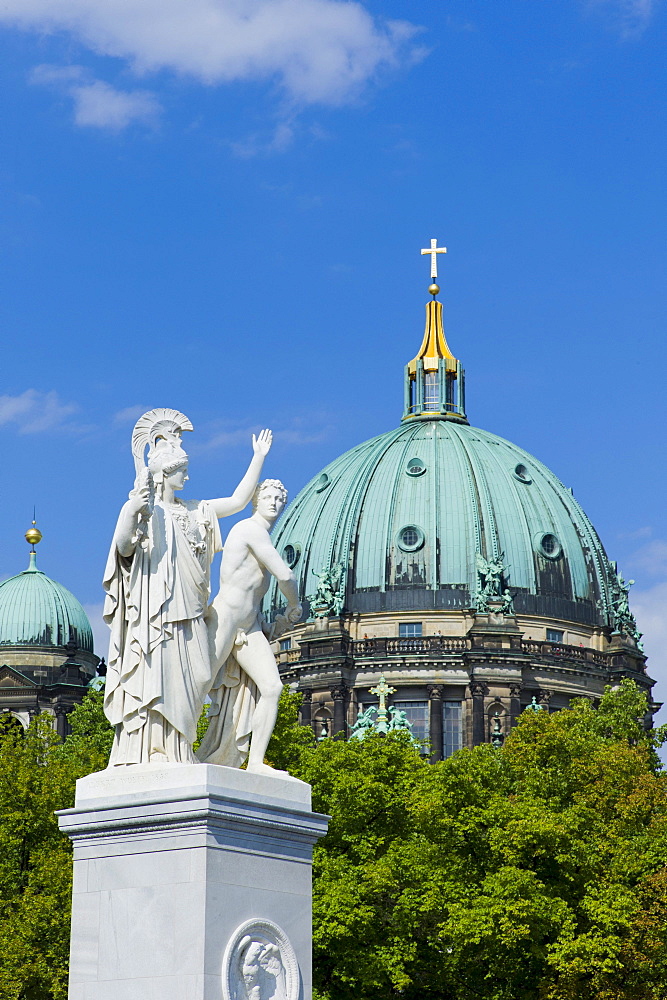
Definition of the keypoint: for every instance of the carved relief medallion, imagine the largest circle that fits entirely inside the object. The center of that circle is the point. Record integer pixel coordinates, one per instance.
(260, 964)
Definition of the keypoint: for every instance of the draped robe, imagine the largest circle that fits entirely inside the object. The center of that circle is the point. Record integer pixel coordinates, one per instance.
(159, 669)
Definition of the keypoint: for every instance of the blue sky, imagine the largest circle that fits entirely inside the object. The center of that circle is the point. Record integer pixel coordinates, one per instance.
(219, 205)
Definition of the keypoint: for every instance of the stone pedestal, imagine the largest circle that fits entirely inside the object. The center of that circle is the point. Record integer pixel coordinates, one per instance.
(191, 882)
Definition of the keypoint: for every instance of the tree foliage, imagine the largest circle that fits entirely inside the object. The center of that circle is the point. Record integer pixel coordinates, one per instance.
(38, 775)
(536, 871)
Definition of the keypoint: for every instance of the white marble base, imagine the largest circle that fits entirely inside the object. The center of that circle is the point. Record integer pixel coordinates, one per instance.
(169, 861)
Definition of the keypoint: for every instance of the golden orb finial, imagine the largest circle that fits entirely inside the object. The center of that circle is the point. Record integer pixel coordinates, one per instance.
(33, 536)
(433, 289)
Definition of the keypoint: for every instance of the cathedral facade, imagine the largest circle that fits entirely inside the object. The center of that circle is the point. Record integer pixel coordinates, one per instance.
(456, 566)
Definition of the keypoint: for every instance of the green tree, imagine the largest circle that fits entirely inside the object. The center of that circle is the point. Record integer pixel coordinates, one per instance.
(536, 871)
(289, 739)
(37, 777)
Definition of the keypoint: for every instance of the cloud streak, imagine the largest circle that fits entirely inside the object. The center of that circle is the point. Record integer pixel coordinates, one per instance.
(320, 51)
(629, 17)
(97, 103)
(33, 412)
(649, 609)
(294, 436)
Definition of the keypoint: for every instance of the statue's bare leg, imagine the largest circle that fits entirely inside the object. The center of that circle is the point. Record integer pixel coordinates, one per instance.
(259, 663)
(221, 635)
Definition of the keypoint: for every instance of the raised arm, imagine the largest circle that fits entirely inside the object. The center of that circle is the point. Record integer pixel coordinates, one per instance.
(244, 491)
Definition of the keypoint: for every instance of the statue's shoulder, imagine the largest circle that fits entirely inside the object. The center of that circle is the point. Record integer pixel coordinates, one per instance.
(193, 504)
(247, 531)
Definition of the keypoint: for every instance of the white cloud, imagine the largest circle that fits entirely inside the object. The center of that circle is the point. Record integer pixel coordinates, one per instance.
(129, 415)
(319, 50)
(649, 607)
(652, 558)
(629, 17)
(638, 533)
(97, 103)
(233, 437)
(254, 145)
(33, 411)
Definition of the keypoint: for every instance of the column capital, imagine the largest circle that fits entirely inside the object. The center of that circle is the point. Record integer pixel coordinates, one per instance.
(434, 692)
(339, 692)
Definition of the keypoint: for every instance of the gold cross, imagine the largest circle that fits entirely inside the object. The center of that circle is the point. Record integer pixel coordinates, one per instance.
(435, 249)
(382, 690)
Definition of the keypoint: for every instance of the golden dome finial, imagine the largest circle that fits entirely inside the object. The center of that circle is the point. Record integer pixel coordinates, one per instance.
(433, 289)
(33, 536)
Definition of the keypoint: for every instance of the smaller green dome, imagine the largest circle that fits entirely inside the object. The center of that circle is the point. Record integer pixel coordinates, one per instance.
(37, 611)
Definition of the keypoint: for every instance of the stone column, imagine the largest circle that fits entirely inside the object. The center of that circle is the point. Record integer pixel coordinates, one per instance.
(515, 703)
(339, 695)
(478, 692)
(435, 721)
(61, 721)
(306, 707)
(179, 869)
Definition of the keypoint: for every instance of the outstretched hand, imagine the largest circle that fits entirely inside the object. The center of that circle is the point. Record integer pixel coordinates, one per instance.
(262, 443)
(293, 614)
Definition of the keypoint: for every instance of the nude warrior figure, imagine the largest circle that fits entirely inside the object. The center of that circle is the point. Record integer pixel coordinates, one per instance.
(238, 632)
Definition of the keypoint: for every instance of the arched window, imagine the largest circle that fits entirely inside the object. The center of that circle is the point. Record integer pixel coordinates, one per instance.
(431, 391)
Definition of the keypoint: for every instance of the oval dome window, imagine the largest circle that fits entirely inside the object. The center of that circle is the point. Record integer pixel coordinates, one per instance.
(410, 538)
(522, 474)
(415, 467)
(322, 483)
(291, 554)
(549, 546)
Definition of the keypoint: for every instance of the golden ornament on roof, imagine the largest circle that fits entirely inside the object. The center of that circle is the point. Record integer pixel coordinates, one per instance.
(33, 535)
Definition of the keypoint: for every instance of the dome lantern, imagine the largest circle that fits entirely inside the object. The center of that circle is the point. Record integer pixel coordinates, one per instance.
(434, 379)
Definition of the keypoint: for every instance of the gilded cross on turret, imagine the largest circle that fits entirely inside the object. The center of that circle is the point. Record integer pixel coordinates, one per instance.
(382, 690)
(434, 251)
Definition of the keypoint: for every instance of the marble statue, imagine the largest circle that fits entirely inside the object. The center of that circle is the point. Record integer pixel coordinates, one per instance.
(246, 684)
(157, 593)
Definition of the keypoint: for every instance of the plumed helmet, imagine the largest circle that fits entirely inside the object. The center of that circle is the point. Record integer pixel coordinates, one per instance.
(160, 431)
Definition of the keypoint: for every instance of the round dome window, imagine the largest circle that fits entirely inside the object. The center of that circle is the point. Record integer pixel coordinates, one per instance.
(291, 554)
(410, 538)
(549, 546)
(522, 474)
(415, 467)
(322, 483)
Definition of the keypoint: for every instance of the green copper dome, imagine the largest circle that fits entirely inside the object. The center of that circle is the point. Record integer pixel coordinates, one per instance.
(37, 611)
(407, 514)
